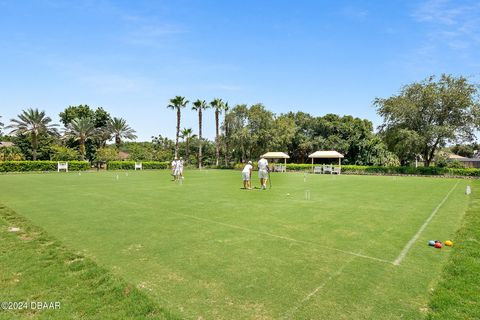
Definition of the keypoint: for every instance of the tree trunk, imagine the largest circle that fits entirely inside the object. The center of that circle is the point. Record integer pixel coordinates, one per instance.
(217, 149)
(82, 149)
(178, 132)
(186, 151)
(200, 138)
(431, 154)
(226, 139)
(34, 147)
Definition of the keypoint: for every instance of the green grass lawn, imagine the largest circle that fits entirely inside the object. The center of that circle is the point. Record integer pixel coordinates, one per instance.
(206, 249)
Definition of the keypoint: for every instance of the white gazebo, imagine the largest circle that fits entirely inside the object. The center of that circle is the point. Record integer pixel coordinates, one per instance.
(330, 154)
(277, 155)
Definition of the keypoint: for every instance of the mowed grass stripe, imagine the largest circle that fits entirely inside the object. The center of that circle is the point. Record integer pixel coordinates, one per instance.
(286, 238)
(410, 243)
(290, 313)
(133, 226)
(456, 296)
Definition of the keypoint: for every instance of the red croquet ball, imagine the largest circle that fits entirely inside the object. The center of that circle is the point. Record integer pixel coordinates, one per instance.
(438, 245)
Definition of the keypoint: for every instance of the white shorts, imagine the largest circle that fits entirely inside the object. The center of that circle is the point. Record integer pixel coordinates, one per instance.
(263, 174)
(246, 176)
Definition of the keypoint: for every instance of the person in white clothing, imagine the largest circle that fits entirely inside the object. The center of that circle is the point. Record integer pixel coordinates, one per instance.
(174, 169)
(247, 175)
(263, 172)
(180, 168)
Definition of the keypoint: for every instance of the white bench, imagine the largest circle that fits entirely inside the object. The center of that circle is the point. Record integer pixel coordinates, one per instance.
(336, 170)
(138, 165)
(317, 169)
(279, 168)
(62, 166)
(327, 169)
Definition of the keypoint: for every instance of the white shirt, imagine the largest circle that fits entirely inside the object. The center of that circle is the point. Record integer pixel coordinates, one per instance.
(247, 168)
(262, 164)
(180, 164)
(174, 164)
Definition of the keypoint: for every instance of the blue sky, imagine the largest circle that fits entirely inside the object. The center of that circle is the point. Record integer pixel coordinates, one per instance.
(131, 57)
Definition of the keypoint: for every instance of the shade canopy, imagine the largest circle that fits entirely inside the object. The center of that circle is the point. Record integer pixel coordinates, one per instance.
(275, 155)
(326, 154)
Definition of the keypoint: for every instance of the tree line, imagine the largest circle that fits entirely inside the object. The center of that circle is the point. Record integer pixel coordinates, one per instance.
(421, 119)
(85, 131)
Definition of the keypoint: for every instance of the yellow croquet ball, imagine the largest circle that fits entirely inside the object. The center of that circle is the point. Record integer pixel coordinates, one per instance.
(449, 243)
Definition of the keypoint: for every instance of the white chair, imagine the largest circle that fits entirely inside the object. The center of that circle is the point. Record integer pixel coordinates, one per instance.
(336, 170)
(138, 165)
(62, 166)
(327, 169)
(317, 170)
(279, 168)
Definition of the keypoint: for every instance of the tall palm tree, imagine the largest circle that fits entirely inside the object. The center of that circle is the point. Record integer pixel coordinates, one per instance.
(218, 105)
(80, 129)
(32, 122)
(177, 103)
(119, 129)
(186, 135)
(199, 106)
(226, 129)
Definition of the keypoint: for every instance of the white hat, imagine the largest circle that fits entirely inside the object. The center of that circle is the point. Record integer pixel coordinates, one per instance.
(249, 162)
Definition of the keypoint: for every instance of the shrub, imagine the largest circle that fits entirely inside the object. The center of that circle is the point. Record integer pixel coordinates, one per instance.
(130, 165)
(455, 164)
(299, 167)
(24, 166)
(60, 153)
(354, 169)
(12, 153)
(107, 154)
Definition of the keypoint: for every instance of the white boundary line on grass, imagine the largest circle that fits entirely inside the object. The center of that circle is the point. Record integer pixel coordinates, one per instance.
(290, 312)
(410, 243)
(286, 238)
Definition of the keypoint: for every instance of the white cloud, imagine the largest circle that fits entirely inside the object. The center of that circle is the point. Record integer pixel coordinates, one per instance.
(148, 34)
(453, 23)
(355, 13)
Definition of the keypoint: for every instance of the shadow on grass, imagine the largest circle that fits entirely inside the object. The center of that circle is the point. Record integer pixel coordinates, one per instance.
(35, 267)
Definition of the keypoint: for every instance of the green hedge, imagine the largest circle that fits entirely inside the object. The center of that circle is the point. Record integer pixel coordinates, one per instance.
(130, 165)
(435, 171)
(352, 169)
(24, 166)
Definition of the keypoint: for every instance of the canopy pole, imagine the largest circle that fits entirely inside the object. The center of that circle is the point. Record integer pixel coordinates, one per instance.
(285, 164)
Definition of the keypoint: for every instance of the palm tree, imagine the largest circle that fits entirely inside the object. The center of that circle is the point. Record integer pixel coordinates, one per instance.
(219, 106)
(186, 136)
(119, 129)
(81, 129)
(32, 122)
(1, 126)
(199, 106)
(227, 133)
(177, 103)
